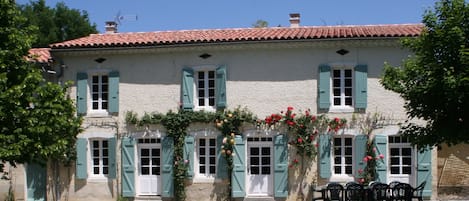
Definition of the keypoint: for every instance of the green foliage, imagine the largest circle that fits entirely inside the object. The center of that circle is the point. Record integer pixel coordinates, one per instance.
(37, 119)
(370, 173)
(260, 24)
(56, 24)
(435, 82)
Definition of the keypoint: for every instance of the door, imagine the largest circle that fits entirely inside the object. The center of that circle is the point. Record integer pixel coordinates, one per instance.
(149, 177)
(401, 155)
(259, 166)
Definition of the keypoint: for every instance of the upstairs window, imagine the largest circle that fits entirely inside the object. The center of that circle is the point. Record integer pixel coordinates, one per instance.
(342, 88)
(205, 84)
(99, 92)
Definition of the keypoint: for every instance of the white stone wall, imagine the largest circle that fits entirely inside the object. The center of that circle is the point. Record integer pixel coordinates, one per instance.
(264, 78)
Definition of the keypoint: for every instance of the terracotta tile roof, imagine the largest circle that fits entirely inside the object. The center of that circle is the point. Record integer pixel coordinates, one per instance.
(41, 55)
(162, 38)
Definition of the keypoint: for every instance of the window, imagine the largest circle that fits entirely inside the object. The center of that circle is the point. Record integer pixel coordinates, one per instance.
(342, 156)
(205, 85)
(206, 156)
(99, 92)
(400, 155)
(99, 157)
(342, 87)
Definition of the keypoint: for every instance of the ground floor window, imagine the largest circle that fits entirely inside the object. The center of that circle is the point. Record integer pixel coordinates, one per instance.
(400, 160)
(342, 156)
(99, 156)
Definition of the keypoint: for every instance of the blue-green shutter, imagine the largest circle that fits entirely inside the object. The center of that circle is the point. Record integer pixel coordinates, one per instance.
(324, 156)
(189, 154)
(280, 166)
(112, 158)
(167, 173)
(381, 148)
(360, 152)
(424, 170)
(81, 162)
(361, 79)
(187, 89)
(324, 87)
(239, 169)
(82, 86)
(36, 181)
(128, 167)
(222, 165)
(114, 92)
(220, 87)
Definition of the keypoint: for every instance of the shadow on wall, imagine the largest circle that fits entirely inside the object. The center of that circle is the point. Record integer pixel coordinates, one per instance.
(453, 169)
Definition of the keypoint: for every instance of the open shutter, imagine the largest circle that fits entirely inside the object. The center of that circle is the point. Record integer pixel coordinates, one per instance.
(187, 89)
(424, 171)
(112, 158)
(80, 164)
(361, 78)
(128, 167)
(324, 156)
(381, 148)
(360, 152)
(220, 87)
(167, 173)
(324, 88)
(189, 154)
(82, 85)
(36, 179)
(222, 165)
(114, 92)
(239, 168)
(280, 166)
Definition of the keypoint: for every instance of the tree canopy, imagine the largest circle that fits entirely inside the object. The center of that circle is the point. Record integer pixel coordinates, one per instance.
(56, 24)
(260, 24)
(434, 82)
(37, 119)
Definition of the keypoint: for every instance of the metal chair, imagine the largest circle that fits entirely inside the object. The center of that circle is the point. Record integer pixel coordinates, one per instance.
(380, 192)
(354, 192)
(334, 192)
(402, 192)
(418, 192)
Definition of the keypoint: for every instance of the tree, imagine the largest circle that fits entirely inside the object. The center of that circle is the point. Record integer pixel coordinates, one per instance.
(260, 24)
(435, 81)
(56, 24)
(37, 120)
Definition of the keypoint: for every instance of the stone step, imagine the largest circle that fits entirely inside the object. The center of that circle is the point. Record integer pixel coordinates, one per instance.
(147, 198)
(259, 199)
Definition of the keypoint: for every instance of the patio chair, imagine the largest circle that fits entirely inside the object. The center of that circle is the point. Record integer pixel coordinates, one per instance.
(393, 183)
(354, 192)
(334, 192)
(418, 192)
(402, 192)
(380, 192)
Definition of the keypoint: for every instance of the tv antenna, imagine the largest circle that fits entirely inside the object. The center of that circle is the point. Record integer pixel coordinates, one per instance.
(119, 18)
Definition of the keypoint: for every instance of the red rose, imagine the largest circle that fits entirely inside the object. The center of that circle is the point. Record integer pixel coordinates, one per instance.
(300, 140)
(290, 108)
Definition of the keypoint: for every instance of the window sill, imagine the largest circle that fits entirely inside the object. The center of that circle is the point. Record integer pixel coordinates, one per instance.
(98, 114)
(207, 109)
(97, 179)
(342, 110)
(203, 180)
(341, 178)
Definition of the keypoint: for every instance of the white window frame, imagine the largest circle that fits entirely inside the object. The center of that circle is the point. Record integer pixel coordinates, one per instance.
(205, 69)
(342, 177)
(89, 160)
(400, 146)
(342, 107)
(207, 176)
(99, 111)
(90, 153)
(207, 133)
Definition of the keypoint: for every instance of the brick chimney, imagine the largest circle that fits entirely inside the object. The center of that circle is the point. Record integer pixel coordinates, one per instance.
(111, 27)
(294, 20)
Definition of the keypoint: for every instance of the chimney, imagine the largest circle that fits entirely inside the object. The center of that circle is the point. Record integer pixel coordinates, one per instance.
(111, 27)
(294, 20)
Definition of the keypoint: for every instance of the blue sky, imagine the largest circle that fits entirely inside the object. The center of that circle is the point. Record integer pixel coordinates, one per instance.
(159, 15)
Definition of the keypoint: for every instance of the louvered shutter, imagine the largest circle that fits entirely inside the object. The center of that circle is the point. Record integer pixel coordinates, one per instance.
(381, 148)
(128, 167)
(280, 166)
(81, 162)
(220, 87)
(187, 89)
(361, 79)
(82, 91)
(324, 87)
(239, 169)
(324, 151)
(168, 164)
(114, 92)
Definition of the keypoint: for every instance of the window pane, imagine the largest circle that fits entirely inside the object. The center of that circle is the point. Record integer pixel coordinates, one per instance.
(337, 151)
(265, 160)
(348, 151)
(211, 92)
(254, 170)
(336, 73)
(348, 73)
(105, 161)
(95, 88)
(406, 161)
(397, 139)
(265, 170)
(202, 160)
(336, 101)
(201, 84)
(348, 91)
(337, 141)
(254, 151)
(96, 152)
(155, 152)
(337, 160)
(145, 171)
(154, 161)
(254, 161)
(201, 93)
(212, 160)
(95, 106)
(96, 161)
(104, 79)
(348, 160)
(394, 161)
(211, 83)
(201, 102)
(145, 152)
(153, 171)
(212, 169)
(348, 101)
(95, 96)
(406, 151)
(96, 170)
(105, 106)
(394, 170)
(348, 141)
(105, 96)
(105, 170)
(104, 88)
(201, 75)
(394, 151)
(211, 101)
(95, 79)
(348, 169)
(201, 151)
(406, 170)
(105, 152)
(391, 139)
(202, 169)
(266, 151)
(212, 142)
(337, 170)
(158, 171)
(348, 82)
(336, 83)
(202, 142)
(211, 74)
(145, 161)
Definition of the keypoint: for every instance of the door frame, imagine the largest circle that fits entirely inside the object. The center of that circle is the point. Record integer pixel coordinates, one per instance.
(139, 146)
(270, 177)
(413, 165)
